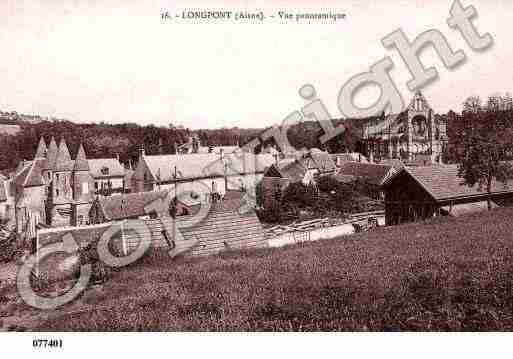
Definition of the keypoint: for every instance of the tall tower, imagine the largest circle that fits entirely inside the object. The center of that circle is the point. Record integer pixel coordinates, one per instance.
(81, 182)
(41, 149)
(418, 126)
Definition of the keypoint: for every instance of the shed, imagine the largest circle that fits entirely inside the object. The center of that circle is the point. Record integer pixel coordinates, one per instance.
(426, 191)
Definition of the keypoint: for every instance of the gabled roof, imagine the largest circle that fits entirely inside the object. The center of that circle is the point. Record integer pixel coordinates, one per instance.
(320, 160)
(63, 161)
(395, 163)
(130, 205)
(442, 183)
(226, 227)
(35, 174)
(290, 169)
(162, 167)
(22, 173)
(115, 169)
(81, 163)
(372, 173)
(51, 153)
(41, 149)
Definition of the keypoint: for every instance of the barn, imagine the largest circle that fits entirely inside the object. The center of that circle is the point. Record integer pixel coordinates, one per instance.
(227, 224)
(417, 193)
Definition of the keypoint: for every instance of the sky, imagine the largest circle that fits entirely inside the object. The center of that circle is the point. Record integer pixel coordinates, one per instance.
(117, 61)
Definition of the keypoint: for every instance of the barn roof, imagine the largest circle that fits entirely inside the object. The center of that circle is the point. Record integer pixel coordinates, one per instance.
(372, 173)
(205, 165)
(129, 205)
(442, 182)
(224, 228)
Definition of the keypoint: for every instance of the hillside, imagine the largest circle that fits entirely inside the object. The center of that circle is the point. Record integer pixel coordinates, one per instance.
(444, 275)
(19, 136)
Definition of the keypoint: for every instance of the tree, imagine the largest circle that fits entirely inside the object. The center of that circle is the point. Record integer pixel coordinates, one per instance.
(486, 145)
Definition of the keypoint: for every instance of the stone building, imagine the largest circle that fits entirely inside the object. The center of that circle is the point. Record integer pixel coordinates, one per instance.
(53, 189)
(417, 131)
(202, 173)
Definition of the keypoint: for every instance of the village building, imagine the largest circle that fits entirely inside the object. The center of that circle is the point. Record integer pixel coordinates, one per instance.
(55, 190)
(421, 192)
(371, 175)
(108, 176)
(411, 133)
(305, 169)
(341, 158)
(200, 174)
(143, 205)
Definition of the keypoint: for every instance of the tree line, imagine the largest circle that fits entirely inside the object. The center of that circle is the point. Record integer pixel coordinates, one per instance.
(109, 140)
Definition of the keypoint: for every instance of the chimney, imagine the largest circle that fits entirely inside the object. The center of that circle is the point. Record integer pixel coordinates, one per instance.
(117, 156)
(142, 151)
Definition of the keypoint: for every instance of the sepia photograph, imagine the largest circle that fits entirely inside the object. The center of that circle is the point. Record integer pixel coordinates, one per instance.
(247, 168)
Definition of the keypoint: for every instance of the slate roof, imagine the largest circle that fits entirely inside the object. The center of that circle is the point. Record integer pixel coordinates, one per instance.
(63, 161)
(51, 153)
(372, 173)
(224, 228)
(22, 173)
(41, 149)
(81, 163)
(442, 182)
(205, 165)
(116, 169)
(129, 205)
(35, 174)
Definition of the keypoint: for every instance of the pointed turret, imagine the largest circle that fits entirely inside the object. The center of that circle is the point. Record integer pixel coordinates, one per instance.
(51, 153)
(41, 149)
(81, 163)
(63, 161)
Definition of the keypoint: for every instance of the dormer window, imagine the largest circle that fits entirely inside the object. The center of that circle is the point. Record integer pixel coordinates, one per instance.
(105, 171)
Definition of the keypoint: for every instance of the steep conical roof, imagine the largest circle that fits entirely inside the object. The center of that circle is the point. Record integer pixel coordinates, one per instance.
(41, 149)
(63, 161)
(81, 163)
(51, 153)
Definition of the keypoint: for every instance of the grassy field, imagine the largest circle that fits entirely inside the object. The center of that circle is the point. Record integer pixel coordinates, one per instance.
(443, 275)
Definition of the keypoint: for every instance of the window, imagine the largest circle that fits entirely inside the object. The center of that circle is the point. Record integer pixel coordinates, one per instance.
(95, 185)
(80, 220)
(105, 171)
(57, 192)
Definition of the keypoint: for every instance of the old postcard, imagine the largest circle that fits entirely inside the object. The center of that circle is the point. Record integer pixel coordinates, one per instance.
(255, 166)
